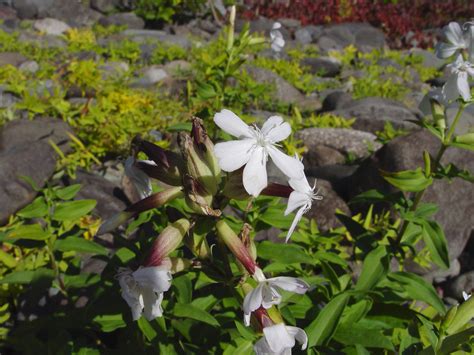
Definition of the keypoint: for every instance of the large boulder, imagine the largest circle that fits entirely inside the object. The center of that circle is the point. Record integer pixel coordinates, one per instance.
(128, 19)
(455, 198)
(372, 113)
(156, 36)
(25, 151)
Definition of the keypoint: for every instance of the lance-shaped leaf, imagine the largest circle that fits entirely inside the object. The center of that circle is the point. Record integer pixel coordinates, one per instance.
(408, 180)
(375, 267)
(435, 240)
(154, 201)
(168, 164)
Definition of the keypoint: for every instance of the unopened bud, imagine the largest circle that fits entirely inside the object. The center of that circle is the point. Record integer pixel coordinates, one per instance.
(196, 164)
(427, 160)
(235, 245)
(437, 111)
(198, 198)
(247, 240)
(168, 164)
(179, 264)
(467, 138)
(277, 190)
(168, 240)
(205, 145)
(463, 316)
(154, 201)
(449, 317)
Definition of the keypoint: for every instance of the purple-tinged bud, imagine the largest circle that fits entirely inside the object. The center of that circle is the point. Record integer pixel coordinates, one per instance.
(168, 241)
(244, 235)
(205, 145)
(154, 201)
(232, 241)
(168, 164)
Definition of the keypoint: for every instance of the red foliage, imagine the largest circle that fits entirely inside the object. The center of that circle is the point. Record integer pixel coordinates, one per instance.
(396, 18)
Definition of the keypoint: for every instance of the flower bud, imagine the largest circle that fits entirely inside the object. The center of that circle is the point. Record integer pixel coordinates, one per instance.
(437, 111)
(154, 201)
(198, 198)
(168, 240)
(232, 241)
(463, 316)
(196, 164)
(168, 164)
(277, 190)
(467, 138)
(449, 317)
(205, 145)
(244, 235)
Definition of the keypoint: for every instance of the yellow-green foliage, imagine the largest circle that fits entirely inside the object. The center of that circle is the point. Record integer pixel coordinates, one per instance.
(165, 53)
(81, 39)
(107, 125)
(83, 74)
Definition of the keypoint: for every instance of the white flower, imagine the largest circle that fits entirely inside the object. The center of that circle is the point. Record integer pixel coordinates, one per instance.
(458, 40)
(435, 94)
(457, 83)
(253, 148)
(143, 290)
(279, 339)
(266, 294)
(140, 180)
(466, 295)
(302, 197)
(276, 38)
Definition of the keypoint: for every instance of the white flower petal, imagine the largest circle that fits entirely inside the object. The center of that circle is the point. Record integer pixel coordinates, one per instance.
(295, 222)
(450, 88)
(232, 155)
(131, 295)
(463, 86)
(299, 334)
(278, 338)
(291, 167)
(252, 302)
(296, 199)
(453, 33)
(232, 124)
(270, 296)
(465, 295)
(156, 278)
(152, 304)
(445, 50)
(292, 284)
(140, 180)
(276, 26)
(261, 347)
(275, 129)
(255, 172)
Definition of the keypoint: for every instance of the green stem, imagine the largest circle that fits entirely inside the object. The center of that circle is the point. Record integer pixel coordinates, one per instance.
(444, 145)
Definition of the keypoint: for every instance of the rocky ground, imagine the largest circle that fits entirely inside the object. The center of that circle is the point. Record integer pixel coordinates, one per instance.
(346, 161)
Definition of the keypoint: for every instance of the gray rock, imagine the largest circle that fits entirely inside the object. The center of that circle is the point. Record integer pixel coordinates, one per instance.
(336, 100)
(362, 35)
(111, 70)
(322, 66)
(51, 26)
(7, 13)
(455, 199)
(336, 173)
(7, 99)
(46, 41)
(303, 36)
(430, 60)
(12, 58)
(105, 6)
(177, 67)
(321, 155)
(160, 36)
(324, 212)
(31, 8)
(25, 151)
(128, 19)
(31, 66)
(284, 91)
(464, 282)
(149, 76)
(109, 196)
(371, 113)
(74, 13)
(348, 142)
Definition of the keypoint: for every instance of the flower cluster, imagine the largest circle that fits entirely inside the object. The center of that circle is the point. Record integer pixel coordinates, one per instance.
(253, 148)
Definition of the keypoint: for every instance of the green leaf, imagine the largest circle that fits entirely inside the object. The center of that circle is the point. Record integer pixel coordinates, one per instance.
(408, 180)
(146, 328)
(184, 287)
(110, 322)
(68, 192)
(273, 216)
(80, 245)
(286, 253)
(28, 276)
(190, 311)
(7, 259)
(38, 208)
(354, 313)
(81, 280)
(435, 240)
(417, 288)
(375, 267)
(73, 210)
(321, 330)
(186, 126)
(30, 232)
(352, 334)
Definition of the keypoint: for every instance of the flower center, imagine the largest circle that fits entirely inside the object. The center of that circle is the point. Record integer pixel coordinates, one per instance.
(260, 138)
